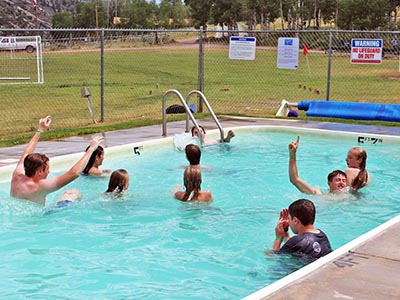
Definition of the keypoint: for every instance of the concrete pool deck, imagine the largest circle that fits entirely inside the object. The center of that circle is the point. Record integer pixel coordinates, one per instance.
(10, 155)
(364, 269)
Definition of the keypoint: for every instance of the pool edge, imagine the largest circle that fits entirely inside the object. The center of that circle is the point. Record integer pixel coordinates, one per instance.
(10, 168)
(300, 274)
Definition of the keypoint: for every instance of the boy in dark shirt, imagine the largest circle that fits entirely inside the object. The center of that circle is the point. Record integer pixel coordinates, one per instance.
(309, 241)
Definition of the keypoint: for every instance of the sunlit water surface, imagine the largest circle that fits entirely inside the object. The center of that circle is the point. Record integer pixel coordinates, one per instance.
(147, 245)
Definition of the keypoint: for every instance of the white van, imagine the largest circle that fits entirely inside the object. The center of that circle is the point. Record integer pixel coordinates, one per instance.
(18, 43)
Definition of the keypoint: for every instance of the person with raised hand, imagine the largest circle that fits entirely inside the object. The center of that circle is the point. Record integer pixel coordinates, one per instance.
(337, 181)
(309, 241)
(29, 179)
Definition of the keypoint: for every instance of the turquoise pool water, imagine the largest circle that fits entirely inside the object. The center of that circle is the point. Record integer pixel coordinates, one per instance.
(149, 246)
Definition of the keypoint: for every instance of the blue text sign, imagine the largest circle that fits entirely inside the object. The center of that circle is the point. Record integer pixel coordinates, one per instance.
(242, 48)
(288, 53)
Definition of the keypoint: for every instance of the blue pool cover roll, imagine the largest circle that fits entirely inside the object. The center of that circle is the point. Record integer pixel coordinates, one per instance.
(351, 110)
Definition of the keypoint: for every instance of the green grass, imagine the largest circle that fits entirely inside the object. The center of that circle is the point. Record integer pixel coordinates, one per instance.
(61, 133)
(135, 80)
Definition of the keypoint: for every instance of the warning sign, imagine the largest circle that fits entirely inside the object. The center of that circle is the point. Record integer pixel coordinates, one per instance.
(366, 51)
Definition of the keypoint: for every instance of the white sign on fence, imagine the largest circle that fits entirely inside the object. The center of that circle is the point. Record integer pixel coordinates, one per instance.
(242, 48)
(366, 51)
(288, 53)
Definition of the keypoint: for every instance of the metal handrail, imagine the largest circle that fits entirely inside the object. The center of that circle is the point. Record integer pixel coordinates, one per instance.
(221, 131)
(188, 113)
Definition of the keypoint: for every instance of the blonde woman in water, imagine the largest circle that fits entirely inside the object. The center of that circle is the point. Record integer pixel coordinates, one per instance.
(356, 172)
(192, 183)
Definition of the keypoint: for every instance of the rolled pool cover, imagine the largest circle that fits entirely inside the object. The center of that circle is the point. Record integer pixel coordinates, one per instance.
(351, 110)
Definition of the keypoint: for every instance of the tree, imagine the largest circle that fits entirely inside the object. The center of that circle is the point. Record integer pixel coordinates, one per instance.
(172, 14)
(200, 12)
(63, 20)
(362, 14)
(154, 12)
(227, 12)
(137, 14)
(393, 4)
(328, 10)
(262, 12)
(90, 15)
(180, 14)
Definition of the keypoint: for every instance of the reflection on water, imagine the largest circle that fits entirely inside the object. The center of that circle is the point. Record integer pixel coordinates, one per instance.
(147, 245)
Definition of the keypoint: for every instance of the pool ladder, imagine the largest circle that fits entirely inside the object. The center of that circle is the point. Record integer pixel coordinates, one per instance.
(189, 114)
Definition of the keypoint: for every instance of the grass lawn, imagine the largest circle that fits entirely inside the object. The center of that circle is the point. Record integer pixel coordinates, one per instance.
(135, 80)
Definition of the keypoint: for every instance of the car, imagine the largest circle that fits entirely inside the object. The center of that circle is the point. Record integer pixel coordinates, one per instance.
(18, 43)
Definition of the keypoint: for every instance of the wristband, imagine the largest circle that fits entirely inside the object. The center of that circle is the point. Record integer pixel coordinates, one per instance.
(279, 239)
(293, 156)
(38, 130)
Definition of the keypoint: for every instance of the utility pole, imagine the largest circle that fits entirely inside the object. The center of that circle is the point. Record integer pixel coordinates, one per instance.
(34, 3)
(97, 23)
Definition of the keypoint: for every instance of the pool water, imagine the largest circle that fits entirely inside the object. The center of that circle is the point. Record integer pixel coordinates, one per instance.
(147, 245)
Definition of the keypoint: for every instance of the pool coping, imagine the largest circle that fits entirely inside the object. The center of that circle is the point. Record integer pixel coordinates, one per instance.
(57, 161)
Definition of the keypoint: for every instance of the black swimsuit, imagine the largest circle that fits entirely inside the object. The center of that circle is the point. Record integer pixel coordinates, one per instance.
(64, 203)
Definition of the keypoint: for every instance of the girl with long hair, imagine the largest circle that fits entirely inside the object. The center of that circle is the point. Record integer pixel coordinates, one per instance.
(192, 183)
(95, 161)
(357, 174)
(119, 182)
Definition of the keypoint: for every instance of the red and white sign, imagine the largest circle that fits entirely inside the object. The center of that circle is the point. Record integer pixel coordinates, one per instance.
(366, 51)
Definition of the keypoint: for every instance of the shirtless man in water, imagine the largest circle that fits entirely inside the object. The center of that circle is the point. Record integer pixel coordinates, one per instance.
(336, 179)
(29, 180)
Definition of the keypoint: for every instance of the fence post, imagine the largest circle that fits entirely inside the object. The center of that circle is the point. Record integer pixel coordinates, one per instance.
(201, 69)
(102, 74)
(328, 83)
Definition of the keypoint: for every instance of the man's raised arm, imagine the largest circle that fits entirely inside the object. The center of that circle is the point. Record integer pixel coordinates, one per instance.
(44, 125)
(300, 184)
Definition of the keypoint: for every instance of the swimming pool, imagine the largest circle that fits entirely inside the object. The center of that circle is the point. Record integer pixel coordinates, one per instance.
(149, 246)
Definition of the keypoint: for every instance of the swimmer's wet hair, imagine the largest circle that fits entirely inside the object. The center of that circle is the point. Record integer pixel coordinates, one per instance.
(193, 154)
(201, 127)
(333, 174)
(118, 180)
(92, 158)
(304, 210)
(34, 162)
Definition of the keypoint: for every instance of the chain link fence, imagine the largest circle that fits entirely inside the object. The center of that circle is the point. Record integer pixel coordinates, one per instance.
(127, 72)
